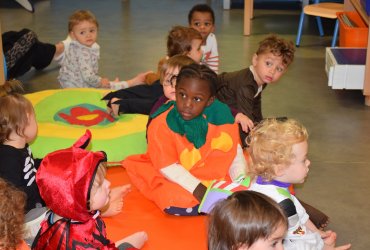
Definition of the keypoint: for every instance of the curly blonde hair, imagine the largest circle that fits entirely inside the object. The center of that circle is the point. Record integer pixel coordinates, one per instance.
(12, 205)
(270, 145)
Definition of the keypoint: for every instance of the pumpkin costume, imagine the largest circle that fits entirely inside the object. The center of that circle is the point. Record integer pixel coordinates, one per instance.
(207, 147)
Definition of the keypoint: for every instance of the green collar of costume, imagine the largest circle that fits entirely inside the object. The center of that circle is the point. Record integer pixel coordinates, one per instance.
(196, 129)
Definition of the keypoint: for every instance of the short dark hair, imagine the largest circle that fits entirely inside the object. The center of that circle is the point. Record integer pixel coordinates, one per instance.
(201, 8)
(201, 72)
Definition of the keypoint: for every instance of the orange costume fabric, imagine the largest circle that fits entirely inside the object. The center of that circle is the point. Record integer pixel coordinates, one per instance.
(211, 161)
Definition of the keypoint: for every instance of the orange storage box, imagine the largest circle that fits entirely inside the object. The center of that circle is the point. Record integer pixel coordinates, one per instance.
(354, 35)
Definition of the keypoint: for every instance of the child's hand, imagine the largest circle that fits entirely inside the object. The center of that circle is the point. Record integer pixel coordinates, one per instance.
(104, 82)
(246, 123)
(138, 79)
(329, 237)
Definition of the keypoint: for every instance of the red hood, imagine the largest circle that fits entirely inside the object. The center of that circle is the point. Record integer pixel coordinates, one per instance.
(65, 177)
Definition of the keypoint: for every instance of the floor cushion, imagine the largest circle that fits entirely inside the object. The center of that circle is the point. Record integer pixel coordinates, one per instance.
(63, 115)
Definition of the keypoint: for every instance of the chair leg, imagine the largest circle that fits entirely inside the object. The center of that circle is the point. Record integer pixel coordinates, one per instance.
(319, 25)
(335, 35)
(299, 32)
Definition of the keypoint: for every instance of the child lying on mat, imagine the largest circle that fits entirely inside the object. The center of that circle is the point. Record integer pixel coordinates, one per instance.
(140, 99)
(190, 142)
(72, 183)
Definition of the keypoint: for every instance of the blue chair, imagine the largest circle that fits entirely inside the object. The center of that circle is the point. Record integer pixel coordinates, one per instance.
(321, 9)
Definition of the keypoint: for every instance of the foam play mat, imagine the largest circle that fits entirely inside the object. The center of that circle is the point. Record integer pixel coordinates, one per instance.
(165, 232)
(63, 115)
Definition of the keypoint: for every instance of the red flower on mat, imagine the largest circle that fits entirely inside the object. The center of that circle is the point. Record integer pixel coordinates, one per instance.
(85, 117)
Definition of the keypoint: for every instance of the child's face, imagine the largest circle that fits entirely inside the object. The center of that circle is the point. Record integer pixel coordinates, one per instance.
(85, 33)
(192, 97)
(274, 242)
(202, 22)
(169, 83)
(101, 196)
(30, 131)
(298, 169)
(268, 68)
(196, 52)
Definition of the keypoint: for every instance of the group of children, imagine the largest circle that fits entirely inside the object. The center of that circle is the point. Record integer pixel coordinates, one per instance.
(201, 126)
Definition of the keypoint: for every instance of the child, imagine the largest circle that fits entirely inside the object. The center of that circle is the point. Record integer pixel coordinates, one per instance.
(79, 62)
(169, 71)
(242, 89)
(17, 165)
(140, 99)
(72, 183)
(12, 204)
(190, 142)
(247, 220)
(202, 18)
(279, 153)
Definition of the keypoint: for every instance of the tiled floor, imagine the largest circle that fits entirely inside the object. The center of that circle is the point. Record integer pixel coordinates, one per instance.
(132, 38)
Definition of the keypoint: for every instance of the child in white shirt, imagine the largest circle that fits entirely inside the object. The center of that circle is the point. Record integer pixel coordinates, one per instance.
(202, 18)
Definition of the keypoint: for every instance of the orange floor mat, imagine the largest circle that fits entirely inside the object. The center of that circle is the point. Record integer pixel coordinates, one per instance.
(164, 231)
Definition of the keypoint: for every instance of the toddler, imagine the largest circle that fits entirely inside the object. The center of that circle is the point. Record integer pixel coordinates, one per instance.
(202, 18)
(169, 71)
(12, 204)
(246, 220)
(72, 183)
(17, 165)
(190, 143)
(242, 90)
(79, 61)
(279, 154)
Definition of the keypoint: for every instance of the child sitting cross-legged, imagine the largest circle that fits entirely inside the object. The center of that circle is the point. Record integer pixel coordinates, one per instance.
(191, 142)
(73, 185)
(279, 153)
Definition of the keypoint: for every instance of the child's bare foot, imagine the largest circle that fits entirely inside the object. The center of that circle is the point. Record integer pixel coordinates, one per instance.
(119, 192)
(115, 204)
(137, 239)
(115, 107)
